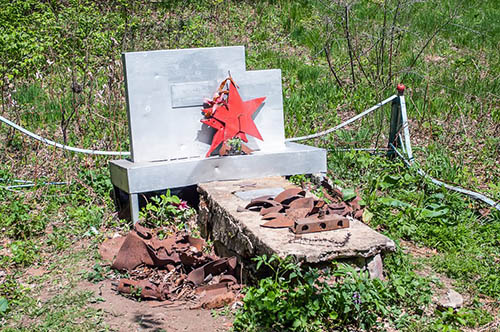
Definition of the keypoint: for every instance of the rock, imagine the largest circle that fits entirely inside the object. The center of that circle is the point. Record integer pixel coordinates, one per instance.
(237, 305)
(375, 267)
(451, 299)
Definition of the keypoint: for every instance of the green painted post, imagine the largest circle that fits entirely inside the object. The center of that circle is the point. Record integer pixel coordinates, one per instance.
(395, 122)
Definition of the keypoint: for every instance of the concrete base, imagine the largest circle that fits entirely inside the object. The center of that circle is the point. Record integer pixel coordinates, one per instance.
(240, 232)
(139, 177)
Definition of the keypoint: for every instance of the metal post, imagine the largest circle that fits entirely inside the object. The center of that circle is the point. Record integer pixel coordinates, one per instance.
(404, 118)
(134, 208)
(395, 121)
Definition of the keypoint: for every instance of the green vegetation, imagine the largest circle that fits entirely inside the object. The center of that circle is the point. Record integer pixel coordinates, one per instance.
(61, 76)
(166, 210)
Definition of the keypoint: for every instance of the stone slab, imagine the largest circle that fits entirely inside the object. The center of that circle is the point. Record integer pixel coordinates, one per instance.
(240, 232)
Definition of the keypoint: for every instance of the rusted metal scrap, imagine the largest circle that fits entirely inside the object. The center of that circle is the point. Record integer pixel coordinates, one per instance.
(327, 223)
(291, 209)
(170, 269)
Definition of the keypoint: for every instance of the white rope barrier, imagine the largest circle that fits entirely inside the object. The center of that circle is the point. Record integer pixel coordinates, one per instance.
(470, 193)
(343, 124)
(61, 146)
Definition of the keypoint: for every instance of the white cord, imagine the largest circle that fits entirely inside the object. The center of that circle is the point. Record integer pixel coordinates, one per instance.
(61, 146)
(469, 193)
(343, 124)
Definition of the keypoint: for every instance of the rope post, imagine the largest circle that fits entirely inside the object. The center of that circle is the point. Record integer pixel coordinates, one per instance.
(406, 126)
(395, 122)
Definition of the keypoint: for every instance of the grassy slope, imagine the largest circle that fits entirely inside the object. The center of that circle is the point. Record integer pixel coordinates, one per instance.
(453, 104)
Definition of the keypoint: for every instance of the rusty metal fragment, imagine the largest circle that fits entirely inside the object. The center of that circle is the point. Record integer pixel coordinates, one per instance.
(280, 221)
(142, 231)
(271, 215)
(143, 288)
(218, 301)
(306, 202)
(271, 209)
(132, 253)
(289, 193)
(311, 225)
(171, 269)
(263, 203)
(213, 268)
(297, 213)
(303, 214)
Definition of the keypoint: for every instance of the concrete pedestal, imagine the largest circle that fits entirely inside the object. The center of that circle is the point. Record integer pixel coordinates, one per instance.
(240, 232)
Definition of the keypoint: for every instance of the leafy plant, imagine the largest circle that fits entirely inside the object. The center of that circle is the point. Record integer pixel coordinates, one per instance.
(12, 293)
(312, 300)
(166, 210)
(24, 253)
(4, 305)
(98, 273)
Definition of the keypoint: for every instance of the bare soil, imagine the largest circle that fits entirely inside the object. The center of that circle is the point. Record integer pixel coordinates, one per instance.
(125, 314)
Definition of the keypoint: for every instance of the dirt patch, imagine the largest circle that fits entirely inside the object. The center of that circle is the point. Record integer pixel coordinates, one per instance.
(124, 314)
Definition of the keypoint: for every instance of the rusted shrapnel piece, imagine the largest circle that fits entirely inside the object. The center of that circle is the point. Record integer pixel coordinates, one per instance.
(172, 268)
(280, 221)
(271, 209)
(312, 225)
(303, 214)
(143, 288)
(264, 203)
(220, 266)
(289, 200)
(295, 214)
(305, 202)
(289, 193)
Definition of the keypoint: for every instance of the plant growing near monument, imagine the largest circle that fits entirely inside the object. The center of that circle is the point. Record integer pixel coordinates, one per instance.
(166, 210)
(294, 299)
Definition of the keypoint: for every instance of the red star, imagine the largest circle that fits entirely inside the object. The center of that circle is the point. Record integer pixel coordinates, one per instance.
(218, 136)
(235, 120)
(237, 117)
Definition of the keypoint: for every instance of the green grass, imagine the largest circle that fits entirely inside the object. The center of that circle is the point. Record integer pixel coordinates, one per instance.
(452, 97)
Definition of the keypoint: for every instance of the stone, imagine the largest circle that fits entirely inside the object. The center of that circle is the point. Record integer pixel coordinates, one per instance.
(375, 267)
(241, 234)
(451, 299)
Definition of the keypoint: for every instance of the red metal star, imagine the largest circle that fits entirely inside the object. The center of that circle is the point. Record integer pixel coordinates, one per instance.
(233, 119)
(218, 136)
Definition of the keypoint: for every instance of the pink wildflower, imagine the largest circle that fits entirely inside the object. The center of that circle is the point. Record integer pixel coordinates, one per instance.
(183, 205)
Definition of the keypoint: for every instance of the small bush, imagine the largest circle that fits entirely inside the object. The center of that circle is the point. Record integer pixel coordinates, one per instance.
(314, 300)
(166, 210)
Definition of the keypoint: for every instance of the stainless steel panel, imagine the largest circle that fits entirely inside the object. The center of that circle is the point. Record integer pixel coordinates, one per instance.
(165, 91)
(190, 94)
(269, 119)
(156, 130)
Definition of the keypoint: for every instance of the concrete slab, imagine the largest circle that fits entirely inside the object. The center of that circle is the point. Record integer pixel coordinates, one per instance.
(240, 232)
